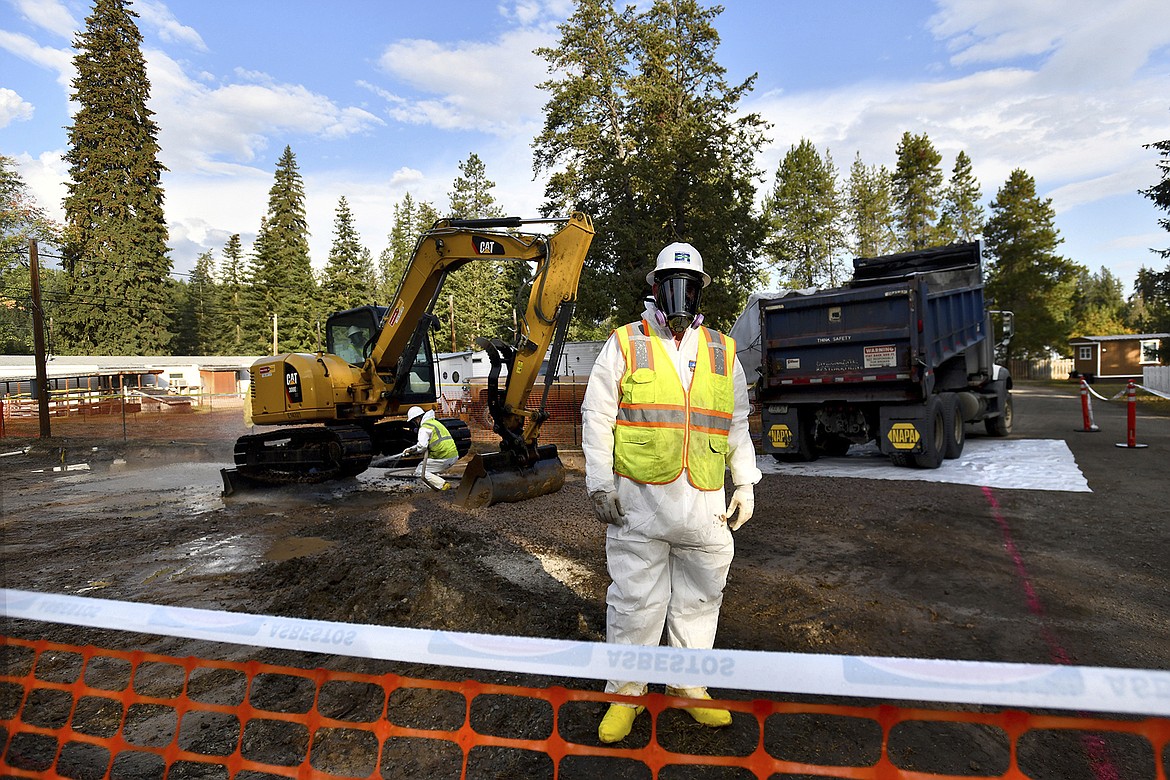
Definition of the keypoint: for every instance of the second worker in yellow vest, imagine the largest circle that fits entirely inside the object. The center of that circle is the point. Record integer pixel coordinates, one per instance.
(436, 446)
(664, 417)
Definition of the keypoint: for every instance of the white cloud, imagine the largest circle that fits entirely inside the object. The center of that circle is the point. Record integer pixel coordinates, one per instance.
(169, 29)
(1082, 41)
(199, 123)
(58, 60)
(13, 108)
(51, 15)
(489, 87)
(45, 176)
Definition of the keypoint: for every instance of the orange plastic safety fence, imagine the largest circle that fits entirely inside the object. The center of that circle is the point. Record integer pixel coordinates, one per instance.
(84, 712)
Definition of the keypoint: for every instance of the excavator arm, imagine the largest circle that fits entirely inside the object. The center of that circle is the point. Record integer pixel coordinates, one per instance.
(521, 469)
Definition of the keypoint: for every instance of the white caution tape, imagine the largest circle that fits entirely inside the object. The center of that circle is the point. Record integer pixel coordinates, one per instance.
(1152, 391)
(1121, 393)
(1031, 686)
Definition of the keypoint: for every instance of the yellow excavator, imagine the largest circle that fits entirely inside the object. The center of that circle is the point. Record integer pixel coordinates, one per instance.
(343, 407)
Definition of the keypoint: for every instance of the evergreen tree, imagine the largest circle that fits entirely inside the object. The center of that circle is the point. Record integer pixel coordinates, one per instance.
(193, 309)
(282, 276)
(1153, 287)
(1099, 307)
(229, 306)
(481, 293)
(1152, 301)
(1160, 192)
(116, 252)
(917, 185)
(643, 133)
(411, 219)
(349, 273)
(21, 219)
(1027, 277)
(805, 215)
(869, 209)
(961, 212)
(256, 319)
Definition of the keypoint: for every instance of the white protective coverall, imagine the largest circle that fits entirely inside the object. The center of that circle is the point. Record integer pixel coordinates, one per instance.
(668, 561)
(430, 468)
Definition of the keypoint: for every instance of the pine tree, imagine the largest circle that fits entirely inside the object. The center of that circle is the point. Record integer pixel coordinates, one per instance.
(917, 185)
(1027, 277)
(229, 332)
(1098, 304)
(481, 291)
(193, 309)
(643, 132)
(116, 253)
(282, 276)
(871, 217)
(349, 274)
(805, 212)
(961, 211)
(1153, 287)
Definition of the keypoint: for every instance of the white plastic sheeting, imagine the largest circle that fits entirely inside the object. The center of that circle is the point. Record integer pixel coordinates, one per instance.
(1013, 464)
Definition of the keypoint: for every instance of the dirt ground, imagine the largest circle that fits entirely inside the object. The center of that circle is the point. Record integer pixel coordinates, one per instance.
(842, 566)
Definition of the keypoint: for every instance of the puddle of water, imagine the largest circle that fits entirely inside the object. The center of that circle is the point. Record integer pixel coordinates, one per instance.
(296, 547)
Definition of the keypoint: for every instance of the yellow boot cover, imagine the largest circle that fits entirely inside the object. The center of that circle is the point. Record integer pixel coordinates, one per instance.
(708, 716)
(618, 721)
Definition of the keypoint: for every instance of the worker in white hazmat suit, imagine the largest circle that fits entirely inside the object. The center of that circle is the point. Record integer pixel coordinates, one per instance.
(665, 414)
(435, 444)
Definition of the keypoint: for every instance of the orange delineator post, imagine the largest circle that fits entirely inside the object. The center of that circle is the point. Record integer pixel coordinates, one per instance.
(1087, 409)
(1131, 418)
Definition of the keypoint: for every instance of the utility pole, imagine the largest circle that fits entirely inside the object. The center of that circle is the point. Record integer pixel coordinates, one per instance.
(451, 315)
(273, 333)
(39, 357)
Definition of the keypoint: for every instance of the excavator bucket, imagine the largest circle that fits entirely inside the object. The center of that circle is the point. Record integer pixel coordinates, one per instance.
(498, 478)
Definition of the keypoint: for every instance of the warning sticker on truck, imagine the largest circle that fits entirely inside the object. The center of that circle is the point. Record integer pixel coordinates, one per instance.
(884, 356)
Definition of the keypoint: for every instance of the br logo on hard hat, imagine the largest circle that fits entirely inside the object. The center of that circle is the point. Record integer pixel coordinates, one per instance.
(682, 257)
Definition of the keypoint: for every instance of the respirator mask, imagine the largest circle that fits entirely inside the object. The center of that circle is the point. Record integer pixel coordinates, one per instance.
(676, 296)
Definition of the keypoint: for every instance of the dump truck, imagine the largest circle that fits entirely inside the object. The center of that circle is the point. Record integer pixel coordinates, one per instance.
(902, 355)
(334, 411)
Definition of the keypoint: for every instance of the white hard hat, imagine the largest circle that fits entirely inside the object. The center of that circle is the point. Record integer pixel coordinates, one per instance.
(679, 256)
(413, 413)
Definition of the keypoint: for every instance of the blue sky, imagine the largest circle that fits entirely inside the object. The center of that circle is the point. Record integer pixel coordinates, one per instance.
(378, 99)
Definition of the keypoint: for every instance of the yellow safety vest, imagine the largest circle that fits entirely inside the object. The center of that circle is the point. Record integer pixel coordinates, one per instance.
(441, 445)
(662, 428)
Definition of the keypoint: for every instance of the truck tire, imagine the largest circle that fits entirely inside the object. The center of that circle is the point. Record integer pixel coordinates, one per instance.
(934, 442)
(1001, 424)
(953, 423)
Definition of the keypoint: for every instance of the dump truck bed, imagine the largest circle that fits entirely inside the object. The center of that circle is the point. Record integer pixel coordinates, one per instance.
(874, 340)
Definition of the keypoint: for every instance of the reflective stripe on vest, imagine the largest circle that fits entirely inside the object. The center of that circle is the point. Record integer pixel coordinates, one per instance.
(662, 428)
(441, 445)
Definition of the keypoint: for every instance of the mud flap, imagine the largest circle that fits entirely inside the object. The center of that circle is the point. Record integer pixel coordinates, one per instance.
(498, 477)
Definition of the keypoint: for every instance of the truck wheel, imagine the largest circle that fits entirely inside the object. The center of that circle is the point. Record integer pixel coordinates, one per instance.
(953, 423)
(934, 442)
(1001, 425)
(901, 459)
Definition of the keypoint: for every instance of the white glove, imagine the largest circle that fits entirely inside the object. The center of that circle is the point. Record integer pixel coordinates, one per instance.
(743, 499)
(412, 450)
(607, 507)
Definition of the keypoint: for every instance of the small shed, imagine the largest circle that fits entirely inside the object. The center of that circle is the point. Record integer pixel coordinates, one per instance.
(1118, 357)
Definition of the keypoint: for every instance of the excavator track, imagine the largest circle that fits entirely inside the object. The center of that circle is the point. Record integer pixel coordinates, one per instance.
(306, 454)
